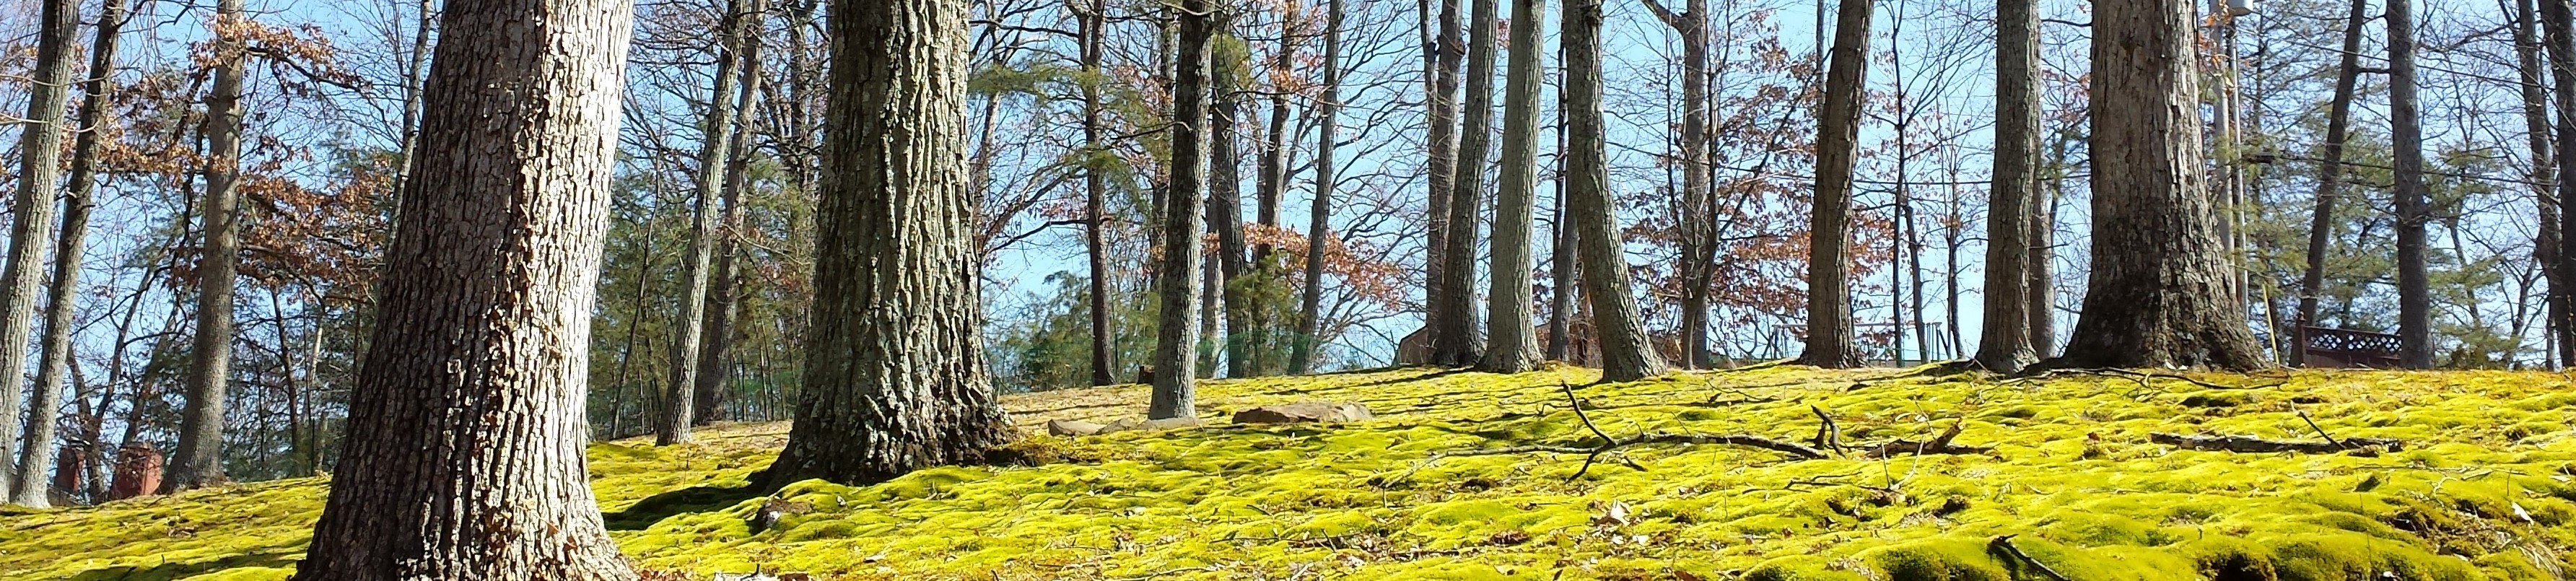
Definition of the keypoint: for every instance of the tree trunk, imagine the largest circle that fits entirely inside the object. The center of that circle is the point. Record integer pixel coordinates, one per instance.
(678, 398)
(1225, 210)
(2535, 117)
(2043, 252)
(1442, 53)
(463, 458)
(1176, 277)
(1095, 187)
(895, 375)
(2558, 27)
(31, 236)
(715, 362)
(2158, 295)
(199, 461)
(1458, 340)
(1829, 326)
(1274, 155)
(1626, 355)
(1697, 207)
(1301, 357)
(2406, 132)
(1562, 274)
(1511, 341)
(2330, 170)
(2003, 346)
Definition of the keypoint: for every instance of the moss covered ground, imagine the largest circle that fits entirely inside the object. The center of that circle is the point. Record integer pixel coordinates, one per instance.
(2072, 488)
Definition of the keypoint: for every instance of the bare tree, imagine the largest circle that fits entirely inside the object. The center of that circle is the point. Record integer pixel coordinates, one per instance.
(2003, 346)
(1095, 187)
(1301, 356)
(2406, 133)
(1176, 275)
(724, 287)
(200, 459)
(1625, 353)
(31, 237)
(1511, 342)
(1829, 326)
(1459, 340)
(677, 395)
(62, 294)
(1442, 53)
(1697, 208)
(2330, 169)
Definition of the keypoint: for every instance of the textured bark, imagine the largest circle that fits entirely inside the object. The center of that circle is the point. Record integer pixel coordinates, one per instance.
(1274, 154)
(1564, 278)
(2558, 27)
(31, 237)
(1625, 353)
(678, 397)
(1225, 211)
(2330, 170)
(895, 377)
(1829, 326)
(1511, 341)
(715, 362)
(63, 293)
(463, 458)
(2535, 117)
(1443, 53)
(1095, 186)
(2003, 345)
(1176, 274)
(1459, 340)
(2406, 133)
(2158, 295)
(1301, 356)
(199, 461)
(2043, 252)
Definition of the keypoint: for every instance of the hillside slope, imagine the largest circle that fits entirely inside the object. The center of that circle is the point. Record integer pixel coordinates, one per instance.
(2072, 485)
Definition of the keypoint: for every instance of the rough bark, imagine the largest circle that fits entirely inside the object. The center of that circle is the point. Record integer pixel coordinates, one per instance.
(2158, 294)
(1625, 353)
(1095, 186)
(1443, 54)
(199, 461)
(62, 294)
(1829, 326)
(895, 376)
(2558, 27)
(1459, 340)
(2330, 170)
(1274, 154)
(1301, 356)
(1176, 276)
(1225, 210)
(1697, 207)
(31, 237)
(715, 362)
(2406, 132)
(2535, 116)
(1511, 341)
(2003, 345)
(463, 458)
(678, 397)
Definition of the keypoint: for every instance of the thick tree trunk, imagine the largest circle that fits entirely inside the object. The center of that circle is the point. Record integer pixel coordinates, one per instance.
(31, 237)
(1829, 325)
(2158, 295)
(1176, 276)
(62, 294)
(1095, 186)
(200, 459)
(1511, 341)
(463, 458)
(2003, 346)
(1459, 339)
(895, 376)
(1442, 53)
(1301, 357)
(2330, 170)
(1626, 355)
(715, 361)
(2535, 117)
(2406, 132)
(678, 397)
(2558, 27)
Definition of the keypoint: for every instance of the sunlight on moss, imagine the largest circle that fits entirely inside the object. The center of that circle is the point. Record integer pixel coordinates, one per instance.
(2481, 489)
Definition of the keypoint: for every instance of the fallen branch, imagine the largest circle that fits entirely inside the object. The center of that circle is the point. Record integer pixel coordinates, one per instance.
(2005, 543)
(1592, 454)
(1938, 445)
(1828, 435)
(2259, 445)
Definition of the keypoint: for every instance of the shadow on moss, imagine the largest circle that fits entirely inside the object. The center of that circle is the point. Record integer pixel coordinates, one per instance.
(653, 509)
(165, 571)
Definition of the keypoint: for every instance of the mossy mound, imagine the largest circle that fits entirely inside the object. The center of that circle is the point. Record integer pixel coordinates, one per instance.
(2070, 487)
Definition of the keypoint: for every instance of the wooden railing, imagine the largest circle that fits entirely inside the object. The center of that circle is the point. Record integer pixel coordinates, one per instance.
(2342, 348)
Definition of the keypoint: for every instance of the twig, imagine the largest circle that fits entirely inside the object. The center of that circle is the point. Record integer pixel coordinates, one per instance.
(2005, 542)
(2260, 445)
(1592, 455)
(1828, 435)
(1937, 445)
(2321, 431)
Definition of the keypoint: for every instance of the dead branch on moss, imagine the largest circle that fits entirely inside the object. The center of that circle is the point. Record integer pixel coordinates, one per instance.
(1937, 445)
(1592, 454)
(2256, 445)
(1828, 435)
(2005, 543)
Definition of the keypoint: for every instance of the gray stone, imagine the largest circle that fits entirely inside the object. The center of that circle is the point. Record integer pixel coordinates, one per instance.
(1304, 412)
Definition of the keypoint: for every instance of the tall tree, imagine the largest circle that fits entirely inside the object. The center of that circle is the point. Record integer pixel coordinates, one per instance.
(2003, 346)
(2535, 116)
(1562, 276)
(2558, 33)
(1697, 207)
(1458, 340)
(724, 286)
(1829, 325)
(31, 236)
(689, 330)
(1301, 357)
(200, 459)
(1095, 188)
(1225, 199)
(2406, 133)
(2158, 295)
(463, 458)
(62, 294)
(2330, 167)
(1511, 341)
(1621, 332)
(1176, 275)
(895, 377)
(1274, 154)
(1443, 53)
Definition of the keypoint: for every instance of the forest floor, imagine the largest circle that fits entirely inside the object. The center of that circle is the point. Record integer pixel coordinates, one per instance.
(2057, 478)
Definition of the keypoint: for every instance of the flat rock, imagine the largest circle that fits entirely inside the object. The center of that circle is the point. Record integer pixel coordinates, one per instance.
(1151, 425)
(1304, 412)
(1071, 428)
